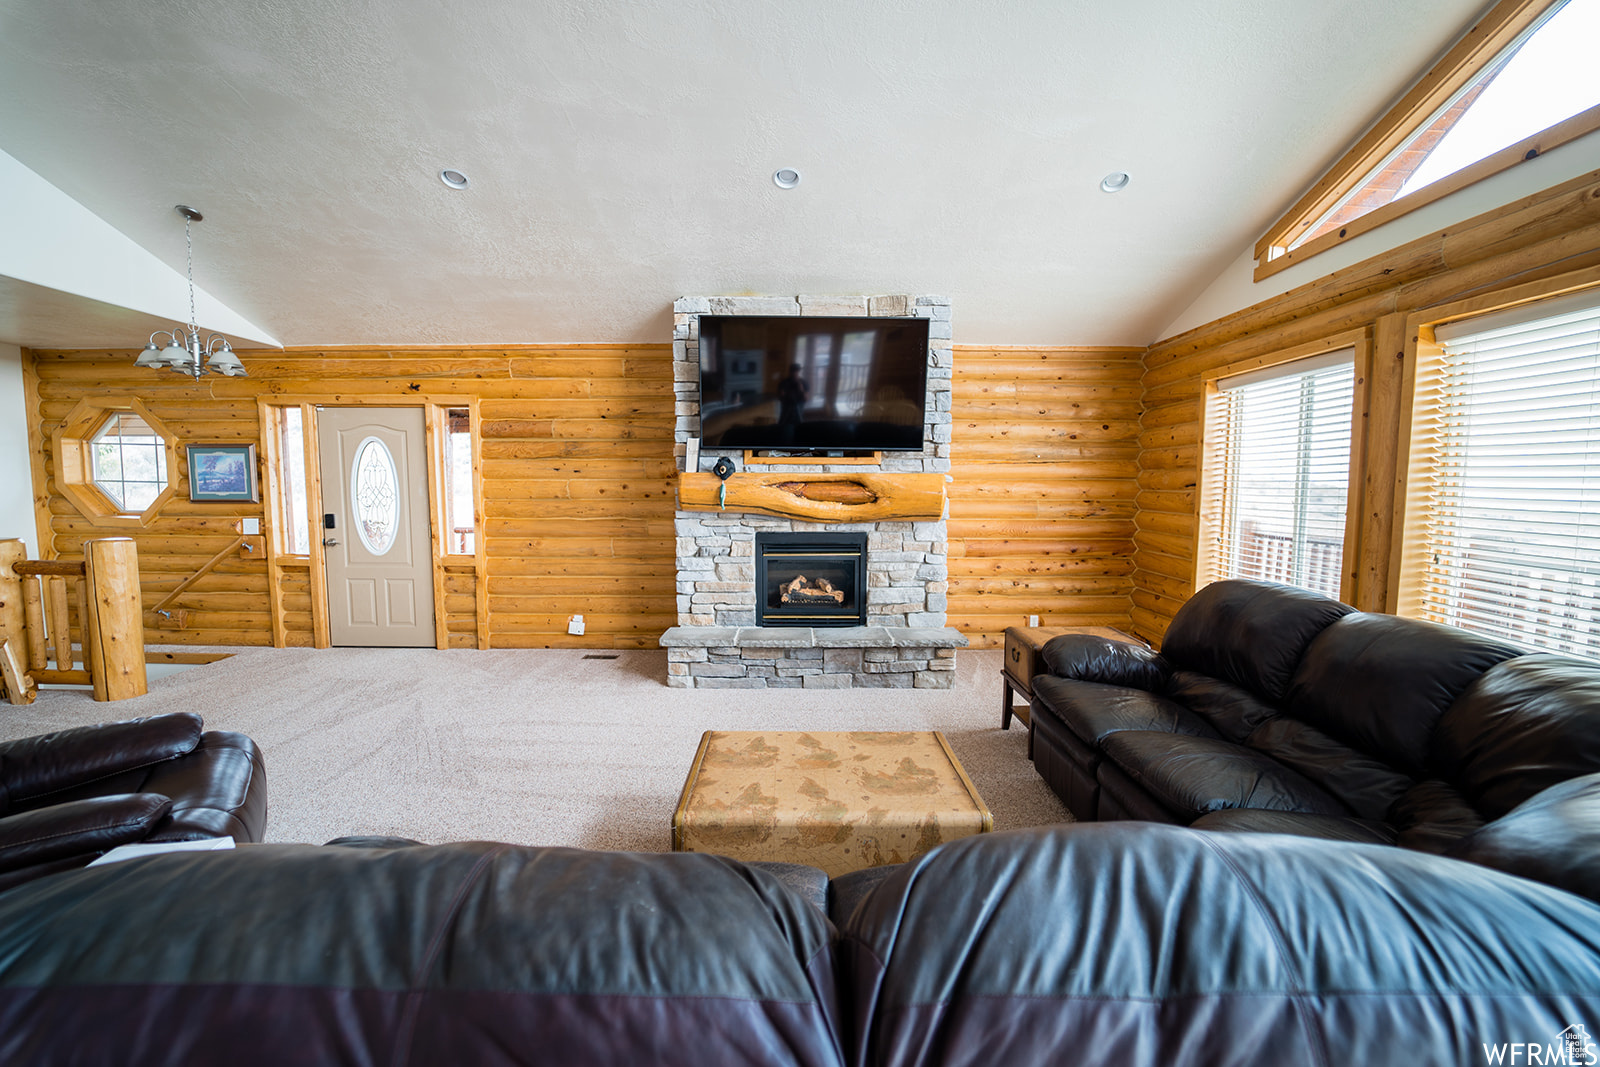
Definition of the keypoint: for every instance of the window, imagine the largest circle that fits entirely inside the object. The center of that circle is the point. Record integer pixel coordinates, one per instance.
(458, 483)
(114, 461)
(1277, 463)
(1522, 82)
(128, 462)
(293, 509)
(1506, 492)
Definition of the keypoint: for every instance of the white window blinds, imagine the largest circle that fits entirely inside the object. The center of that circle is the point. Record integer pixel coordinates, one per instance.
(1278, 473)
(1512, 513)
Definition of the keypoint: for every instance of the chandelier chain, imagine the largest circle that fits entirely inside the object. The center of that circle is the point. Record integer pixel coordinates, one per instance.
(189, 241)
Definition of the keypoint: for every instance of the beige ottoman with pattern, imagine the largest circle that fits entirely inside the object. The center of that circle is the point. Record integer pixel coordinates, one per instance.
(840, 801)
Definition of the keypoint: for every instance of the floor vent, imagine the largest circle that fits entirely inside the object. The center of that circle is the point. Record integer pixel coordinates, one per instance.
(608, 655)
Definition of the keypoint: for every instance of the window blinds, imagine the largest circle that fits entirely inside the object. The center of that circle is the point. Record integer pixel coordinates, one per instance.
(1512, 523)
(1278, 459)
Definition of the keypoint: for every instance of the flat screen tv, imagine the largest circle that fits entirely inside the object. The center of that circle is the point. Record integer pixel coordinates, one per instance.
(812, 385)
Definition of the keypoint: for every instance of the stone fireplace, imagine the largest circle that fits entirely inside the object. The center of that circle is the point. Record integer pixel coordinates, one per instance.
(729, 635)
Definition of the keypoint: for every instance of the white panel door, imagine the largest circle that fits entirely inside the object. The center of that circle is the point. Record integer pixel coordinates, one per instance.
(375, 526)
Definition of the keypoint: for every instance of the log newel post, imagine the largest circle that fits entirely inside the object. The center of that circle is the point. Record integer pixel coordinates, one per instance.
(12, 626)
(113, 631)
(19, 686)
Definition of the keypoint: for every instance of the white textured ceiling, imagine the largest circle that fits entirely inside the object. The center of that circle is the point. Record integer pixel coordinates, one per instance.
(621, 152)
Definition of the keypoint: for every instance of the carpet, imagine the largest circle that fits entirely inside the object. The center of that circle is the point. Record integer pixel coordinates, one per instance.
(537, 747)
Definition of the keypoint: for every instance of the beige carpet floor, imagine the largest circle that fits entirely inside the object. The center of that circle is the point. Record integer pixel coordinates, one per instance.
(543, 747)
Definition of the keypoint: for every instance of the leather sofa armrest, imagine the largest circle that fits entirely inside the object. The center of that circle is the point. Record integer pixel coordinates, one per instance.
(33, 767)
(78, 828)
(1110, 662)
(1552, 837)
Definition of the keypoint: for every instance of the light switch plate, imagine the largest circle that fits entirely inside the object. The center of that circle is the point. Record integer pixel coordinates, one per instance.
(1033, 620)
(250, 527)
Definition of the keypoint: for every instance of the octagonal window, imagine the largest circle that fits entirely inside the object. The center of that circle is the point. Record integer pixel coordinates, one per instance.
(115, 461)
(128, 461)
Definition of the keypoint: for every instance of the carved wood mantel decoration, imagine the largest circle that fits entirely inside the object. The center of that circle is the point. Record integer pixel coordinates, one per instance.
(866, 497)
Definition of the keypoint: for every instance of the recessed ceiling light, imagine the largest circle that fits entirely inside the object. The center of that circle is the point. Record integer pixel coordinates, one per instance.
(786, 178)
(1114, 182)
(453, 178)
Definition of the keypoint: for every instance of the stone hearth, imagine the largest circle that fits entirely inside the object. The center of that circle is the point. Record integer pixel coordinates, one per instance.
(905, 643)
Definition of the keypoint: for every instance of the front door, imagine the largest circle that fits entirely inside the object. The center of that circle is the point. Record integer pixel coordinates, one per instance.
(375, 526)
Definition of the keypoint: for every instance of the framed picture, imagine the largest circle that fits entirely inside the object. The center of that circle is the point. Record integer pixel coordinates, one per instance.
(222, 472)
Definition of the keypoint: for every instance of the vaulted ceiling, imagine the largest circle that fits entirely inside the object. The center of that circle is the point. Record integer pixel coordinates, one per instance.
(621, 153)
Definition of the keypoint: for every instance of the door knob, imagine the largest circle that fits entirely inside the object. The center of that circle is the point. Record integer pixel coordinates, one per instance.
(330, 541)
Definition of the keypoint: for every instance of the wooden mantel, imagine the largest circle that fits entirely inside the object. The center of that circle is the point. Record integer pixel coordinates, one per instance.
(817, 497)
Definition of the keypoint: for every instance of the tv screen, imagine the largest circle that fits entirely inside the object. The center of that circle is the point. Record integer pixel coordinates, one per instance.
(791, 383)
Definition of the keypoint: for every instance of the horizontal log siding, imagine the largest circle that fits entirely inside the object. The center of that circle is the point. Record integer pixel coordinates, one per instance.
(1541, 236)
(577, 485)
(1044, 459)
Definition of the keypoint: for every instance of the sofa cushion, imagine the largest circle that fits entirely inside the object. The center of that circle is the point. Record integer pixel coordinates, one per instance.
(1432, 816)
(80, 828)
(1366, 786)
(1249, 633)
(1234, 712)
(1381, 683)
(1296, 823)
(1092, 710)
(1120, 943)
(82, 761)
(1098, 659)
(1553, 837)
(1194, 775)
(1523, 726)
(451, 954)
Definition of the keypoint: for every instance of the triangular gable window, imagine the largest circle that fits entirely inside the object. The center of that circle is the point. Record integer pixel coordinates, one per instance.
(1521, 82)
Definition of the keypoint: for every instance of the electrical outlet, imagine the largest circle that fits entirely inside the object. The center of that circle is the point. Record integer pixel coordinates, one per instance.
(575, 625)
(1033, 620)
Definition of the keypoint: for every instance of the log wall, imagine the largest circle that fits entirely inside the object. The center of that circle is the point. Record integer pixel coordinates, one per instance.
(1044, 459)
(578, 482)
(577, 485)
(1549, 236)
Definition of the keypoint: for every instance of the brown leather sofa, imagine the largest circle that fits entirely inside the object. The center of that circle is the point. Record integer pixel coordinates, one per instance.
(1274, 709)
(1102, 944)
(70, 796)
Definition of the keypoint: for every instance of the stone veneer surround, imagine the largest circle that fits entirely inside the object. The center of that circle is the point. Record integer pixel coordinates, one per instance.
(716, 642)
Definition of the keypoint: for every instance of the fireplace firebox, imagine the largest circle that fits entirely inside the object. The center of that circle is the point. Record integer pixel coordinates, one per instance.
(811, 579)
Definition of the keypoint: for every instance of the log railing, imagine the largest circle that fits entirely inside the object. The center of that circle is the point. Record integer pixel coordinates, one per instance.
(42, 601)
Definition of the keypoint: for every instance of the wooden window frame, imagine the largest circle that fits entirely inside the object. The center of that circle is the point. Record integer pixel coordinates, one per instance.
(1417, 421)
(440, 415)
(1209, 485)
(71, 444)
(1460, 66)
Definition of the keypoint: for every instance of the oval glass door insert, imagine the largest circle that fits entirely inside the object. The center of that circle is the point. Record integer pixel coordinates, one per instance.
(375, 496)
